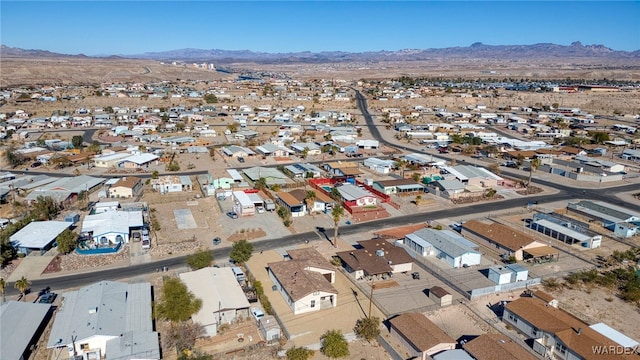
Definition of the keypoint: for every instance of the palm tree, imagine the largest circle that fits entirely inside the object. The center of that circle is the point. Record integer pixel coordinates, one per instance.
(310, 199)
(22, 285)
(533, 166)
(401, 165)
(337, 213)
(3, 285)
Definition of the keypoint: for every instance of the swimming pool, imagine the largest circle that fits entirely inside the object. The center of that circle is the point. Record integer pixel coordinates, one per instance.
(327, 188)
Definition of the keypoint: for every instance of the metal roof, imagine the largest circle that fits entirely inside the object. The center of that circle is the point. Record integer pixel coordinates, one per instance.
(38, 234)
(351, 192)
(118, 222)
(446, 241)
(615, 335)
(219, 291)
(19, 322)
(107, 308)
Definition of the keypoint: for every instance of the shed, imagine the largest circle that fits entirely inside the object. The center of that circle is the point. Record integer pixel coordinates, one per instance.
(269, 328)
(440, 296)
(499, 275)
(518, 272)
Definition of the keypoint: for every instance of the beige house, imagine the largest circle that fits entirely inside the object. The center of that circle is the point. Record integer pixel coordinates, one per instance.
(305, 281)
(126, 187)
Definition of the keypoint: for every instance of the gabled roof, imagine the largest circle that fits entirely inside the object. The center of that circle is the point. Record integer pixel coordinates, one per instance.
(128, 182)
(496, 347)
(108, 308)
(297, 281)
(350, 192)
(141, 159)
(446, 241)
(289, 199)
(419, 331)
(500, 234)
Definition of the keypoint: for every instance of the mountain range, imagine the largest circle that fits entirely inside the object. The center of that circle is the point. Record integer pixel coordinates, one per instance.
(475, 51)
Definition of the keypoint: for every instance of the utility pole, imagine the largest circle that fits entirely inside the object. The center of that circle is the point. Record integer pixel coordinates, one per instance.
(373, 286)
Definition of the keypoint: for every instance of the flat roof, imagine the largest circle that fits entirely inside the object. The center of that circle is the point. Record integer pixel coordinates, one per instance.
(614, 335)
(242, 198)
(219, 291)
(446, 241)
(19, 322)
(118, 222)
(562, 229)
(351, 192)
(38, 234)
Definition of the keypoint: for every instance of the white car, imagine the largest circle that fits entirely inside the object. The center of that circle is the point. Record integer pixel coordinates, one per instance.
(260, 209)
(257, 313)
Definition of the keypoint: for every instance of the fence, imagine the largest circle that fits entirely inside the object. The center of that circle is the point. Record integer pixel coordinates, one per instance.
(503, 288)
(99, 251)
(284, 330)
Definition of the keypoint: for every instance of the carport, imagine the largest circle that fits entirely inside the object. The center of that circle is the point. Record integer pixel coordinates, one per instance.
(541, 254)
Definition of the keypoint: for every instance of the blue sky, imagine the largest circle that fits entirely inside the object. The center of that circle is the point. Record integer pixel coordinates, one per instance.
(129, 27)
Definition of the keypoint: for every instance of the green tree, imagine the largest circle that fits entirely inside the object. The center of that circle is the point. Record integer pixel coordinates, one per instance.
(533, 166)
(201, 259)
(94, 147)
(177, 303)
(212, 153)
(155, 174)
(310, 199)
(22, 285)
(67, 241)
(304, 153)
(401, 165)
(334, 345)
(3, 286)
(261, 184)
(600, 137)
(336, 214)
(12, 158)
(335, 194)
(210, 99)
(416, 177)
(45, 208)
(241, 251)
(299, 353)
(367, 328)
(76, 141)
(233, 127)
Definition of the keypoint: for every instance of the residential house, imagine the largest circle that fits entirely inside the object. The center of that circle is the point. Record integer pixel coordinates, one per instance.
(379, 165)
(496, 347)
(235, 151)
(112, 227)
(473, 176)
(303, 170)
(504, 238)
(172, 183)
(555, 333)
(270, 175)
(126, 187)
(305, 281)
(271, 149)
(109, 161)
(565, 229)
(398, 186)
(356, 196)
(223, 300)
(450, 189)
(631, 155)
(446, 245)
(21, 325)
(310, 148)
(139, 161)
(37, 236)
(107, 319)
(419, 335)
(375, 259)
(243, 204)
(294, 202)
(622, 221)
(342, 169)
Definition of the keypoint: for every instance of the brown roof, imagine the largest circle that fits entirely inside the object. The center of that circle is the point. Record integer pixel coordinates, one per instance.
(548, 151)
(499, 234)
(350, 171)
(541, 251)
(395, 254)
(438, 291)
(496, 347)
(312, 256)
(527, 154)
(322, 197)
(299, 194)
(573, 332)
(400, 232)
(127, 181)
(396, 182)
(570, 150)
(544, 296)
(421, 332)
(297, 281)
(365, 260)
(342, 164)
(289, 199)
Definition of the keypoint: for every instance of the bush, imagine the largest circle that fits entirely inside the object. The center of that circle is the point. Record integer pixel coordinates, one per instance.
(200, 259)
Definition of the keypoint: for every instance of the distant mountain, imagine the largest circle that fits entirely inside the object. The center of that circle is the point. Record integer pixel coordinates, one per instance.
(476, 51)
(6, 52)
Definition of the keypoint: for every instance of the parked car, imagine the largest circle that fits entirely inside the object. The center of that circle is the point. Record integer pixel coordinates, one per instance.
(48, 298)
(232, 214)
(241, 159)
(260, 209)
(216, 241)
(257, 313)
